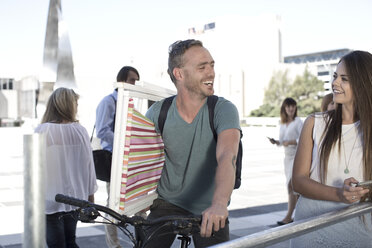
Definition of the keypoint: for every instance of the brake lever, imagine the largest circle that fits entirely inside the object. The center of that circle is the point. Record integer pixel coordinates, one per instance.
(88, 215)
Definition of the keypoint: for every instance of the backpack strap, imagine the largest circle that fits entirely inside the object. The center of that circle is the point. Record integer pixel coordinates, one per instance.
(113, 98)
(211, 102)
(164, 112)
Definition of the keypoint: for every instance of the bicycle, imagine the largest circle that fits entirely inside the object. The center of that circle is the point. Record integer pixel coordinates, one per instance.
(88, 212)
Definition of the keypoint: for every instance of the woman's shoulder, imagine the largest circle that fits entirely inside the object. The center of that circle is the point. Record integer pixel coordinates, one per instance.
(316, 116)
(50, 126)
(41, 128)
(298, 120)
(309, 121)
(316, 121)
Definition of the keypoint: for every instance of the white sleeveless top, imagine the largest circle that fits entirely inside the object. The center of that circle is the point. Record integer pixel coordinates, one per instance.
(337, 162)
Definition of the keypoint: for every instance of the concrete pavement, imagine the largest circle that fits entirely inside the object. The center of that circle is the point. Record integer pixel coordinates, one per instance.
(255, 206)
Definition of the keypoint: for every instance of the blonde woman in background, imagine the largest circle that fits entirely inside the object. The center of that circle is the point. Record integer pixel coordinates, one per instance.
(69, 166)
(290, 129)
(334, 154)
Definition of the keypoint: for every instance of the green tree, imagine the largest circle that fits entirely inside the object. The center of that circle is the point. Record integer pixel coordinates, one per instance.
(305, 90)
(278, 87)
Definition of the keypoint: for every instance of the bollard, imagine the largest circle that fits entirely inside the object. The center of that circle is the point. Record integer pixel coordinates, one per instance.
(34, 191)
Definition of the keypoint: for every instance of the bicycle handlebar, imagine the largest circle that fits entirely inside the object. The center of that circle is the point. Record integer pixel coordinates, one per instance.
(182, 225)
(85, 204)
(136, 220)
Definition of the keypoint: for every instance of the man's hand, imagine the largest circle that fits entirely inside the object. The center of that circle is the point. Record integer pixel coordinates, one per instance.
(214, 218)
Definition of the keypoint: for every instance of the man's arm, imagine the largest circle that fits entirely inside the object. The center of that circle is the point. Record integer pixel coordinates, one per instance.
(227, 149)
(104, 121)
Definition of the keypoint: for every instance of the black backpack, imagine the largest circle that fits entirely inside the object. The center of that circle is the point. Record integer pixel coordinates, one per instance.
(211, 102)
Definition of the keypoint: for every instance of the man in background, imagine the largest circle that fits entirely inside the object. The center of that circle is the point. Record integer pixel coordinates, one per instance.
(105, 125)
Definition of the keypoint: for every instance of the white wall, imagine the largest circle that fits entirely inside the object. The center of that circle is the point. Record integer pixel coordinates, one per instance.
(8, 104)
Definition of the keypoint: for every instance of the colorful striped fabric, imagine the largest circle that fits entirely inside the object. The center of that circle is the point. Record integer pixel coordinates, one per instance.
(143, 157)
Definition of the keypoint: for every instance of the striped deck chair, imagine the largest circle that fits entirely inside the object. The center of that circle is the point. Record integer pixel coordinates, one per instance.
(143, 158)
(138, 151)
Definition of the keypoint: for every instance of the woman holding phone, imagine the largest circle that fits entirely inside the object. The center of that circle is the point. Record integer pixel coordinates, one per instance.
(289, 133)
(334, 154)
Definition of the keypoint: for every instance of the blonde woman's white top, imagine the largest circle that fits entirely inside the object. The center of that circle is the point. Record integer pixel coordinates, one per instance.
(350, 155)
(69, 164)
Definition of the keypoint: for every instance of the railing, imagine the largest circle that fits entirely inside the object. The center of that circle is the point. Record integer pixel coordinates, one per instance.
(279, 234)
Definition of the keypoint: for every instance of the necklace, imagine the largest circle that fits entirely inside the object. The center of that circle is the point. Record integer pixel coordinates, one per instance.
(347, 162)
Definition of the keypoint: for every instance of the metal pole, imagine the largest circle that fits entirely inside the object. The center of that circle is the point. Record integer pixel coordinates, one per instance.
(278, 234)
(34, 197)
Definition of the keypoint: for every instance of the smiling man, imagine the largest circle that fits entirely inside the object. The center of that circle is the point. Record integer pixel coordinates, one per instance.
(199, 173)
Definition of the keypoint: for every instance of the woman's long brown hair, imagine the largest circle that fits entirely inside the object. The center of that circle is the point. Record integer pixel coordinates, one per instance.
(359, 70)
(284, 118)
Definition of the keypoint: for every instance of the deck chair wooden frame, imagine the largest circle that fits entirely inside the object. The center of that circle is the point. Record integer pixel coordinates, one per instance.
(126, 91)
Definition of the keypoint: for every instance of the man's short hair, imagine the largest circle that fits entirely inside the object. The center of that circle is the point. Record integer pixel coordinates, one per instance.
(176, 52)
(123, 73)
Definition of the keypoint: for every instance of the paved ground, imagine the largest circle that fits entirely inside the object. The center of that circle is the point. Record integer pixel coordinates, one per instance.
(256, 206)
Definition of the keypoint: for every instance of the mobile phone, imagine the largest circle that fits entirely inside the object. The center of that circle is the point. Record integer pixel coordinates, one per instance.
(365, 184)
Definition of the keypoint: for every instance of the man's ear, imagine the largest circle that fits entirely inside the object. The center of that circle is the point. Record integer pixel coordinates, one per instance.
(178, 74)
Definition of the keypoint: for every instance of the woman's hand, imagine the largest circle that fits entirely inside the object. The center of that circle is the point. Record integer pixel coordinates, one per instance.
(289, 142)
(350, 194)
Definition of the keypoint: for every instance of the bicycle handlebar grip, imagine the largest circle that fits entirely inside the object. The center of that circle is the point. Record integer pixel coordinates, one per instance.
(71, 201)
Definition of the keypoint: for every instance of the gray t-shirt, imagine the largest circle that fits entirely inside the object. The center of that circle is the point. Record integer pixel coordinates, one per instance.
(188, 177)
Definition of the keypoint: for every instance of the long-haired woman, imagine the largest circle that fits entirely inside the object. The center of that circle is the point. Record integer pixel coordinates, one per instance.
(69, 166)
(290, 129)
(335, 153)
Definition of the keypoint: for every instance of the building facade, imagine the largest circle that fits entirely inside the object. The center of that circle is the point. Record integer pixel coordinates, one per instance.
(322, 64)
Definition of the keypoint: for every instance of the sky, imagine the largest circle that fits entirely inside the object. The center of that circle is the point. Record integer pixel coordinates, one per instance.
(105, 34)
(108, 34)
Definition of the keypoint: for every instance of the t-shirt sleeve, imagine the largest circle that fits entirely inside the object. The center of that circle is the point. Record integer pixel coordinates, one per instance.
(226, 116)
(153, 113)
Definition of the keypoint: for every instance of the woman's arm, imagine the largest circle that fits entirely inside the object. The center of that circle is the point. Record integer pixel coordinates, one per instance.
(301, 168)
(303, 184)
(289, 142)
